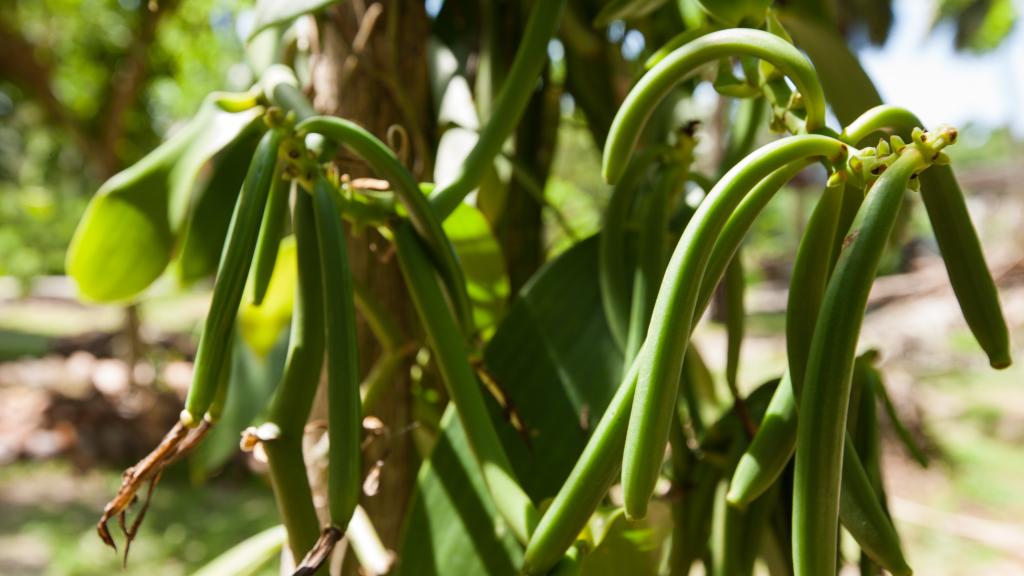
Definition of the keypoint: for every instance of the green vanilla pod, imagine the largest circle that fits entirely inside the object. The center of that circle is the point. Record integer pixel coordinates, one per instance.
(864, 516)
(956, 236)
(449, 347)
(652, 244)
(863, 426)
(737, 533)
(726, 522)
(681, 39)
(824, 400)
(290, 406)
(130, 229)
(868, 438)
(878, 383)
(271, 232)
(811, 270)
(774, 442)
(735, 317)
(673, 317)
(756, 525)
(613, 272)
(199, 250)
(383, 161)
(344, 417)
(683, 462)
(769, 451)
(595, 471)
(721, 445)
(214, 344)
(698, 514)
(860, 510)
(674, 68)
(965, 263)
(601, 457)
(520, 83)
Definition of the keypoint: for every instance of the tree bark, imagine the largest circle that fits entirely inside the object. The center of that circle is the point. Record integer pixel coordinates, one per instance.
(373, 71)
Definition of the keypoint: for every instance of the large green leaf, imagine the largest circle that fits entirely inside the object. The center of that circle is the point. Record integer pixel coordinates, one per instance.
(203, 239)
(261, 326)
(248, 556)
(452, 527)
(127, 235)
(480, 257)
(847, 86)
(554, 358)
(620, 546)
(278, 12)
(625, 10)
(250, 384)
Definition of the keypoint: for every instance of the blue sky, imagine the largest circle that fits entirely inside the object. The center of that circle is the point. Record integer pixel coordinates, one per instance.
(919, 69)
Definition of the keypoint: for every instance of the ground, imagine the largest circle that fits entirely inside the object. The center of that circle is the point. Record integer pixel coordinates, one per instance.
(961, 515)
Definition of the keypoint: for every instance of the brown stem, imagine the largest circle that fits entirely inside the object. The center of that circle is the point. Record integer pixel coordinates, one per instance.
(320, 552)
(178, 442)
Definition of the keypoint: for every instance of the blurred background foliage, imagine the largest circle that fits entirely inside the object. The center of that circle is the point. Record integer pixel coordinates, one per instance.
(86, 88)
(89, 86)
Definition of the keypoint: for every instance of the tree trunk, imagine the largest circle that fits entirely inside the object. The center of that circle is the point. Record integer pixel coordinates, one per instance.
(373, 71)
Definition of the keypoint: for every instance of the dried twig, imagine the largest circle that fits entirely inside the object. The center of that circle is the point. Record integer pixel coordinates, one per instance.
(179, 441)
(320, 551)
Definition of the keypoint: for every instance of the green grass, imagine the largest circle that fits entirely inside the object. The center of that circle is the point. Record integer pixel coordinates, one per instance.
(48, 516)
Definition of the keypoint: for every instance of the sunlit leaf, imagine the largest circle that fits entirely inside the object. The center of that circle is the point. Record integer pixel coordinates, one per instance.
(277, 12)
(847, 86)
(248, 556)
(555, 360)
(251, 381)
(624, 547)
(261, 326)
(480, 257)
(981, 25)
(127, 235)
(625, 10)
(200, 248)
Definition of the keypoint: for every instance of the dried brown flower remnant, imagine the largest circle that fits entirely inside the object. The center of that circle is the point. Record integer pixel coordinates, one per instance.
(180, 440)
(320, 551)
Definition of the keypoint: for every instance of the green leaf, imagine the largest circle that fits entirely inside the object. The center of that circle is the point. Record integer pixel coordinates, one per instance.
(556, 362)
(624, 547)
(247, 556)
(848, 88)
(127, 235)
(261, 326)
(452, 526)
(625, 10)
(278, 12)
(981, 25)
(736, 12)
(480, 256)
(214, 202)
(250, 384)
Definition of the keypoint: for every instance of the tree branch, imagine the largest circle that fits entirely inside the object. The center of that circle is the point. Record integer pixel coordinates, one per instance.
(20, 62)
(126, 82)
